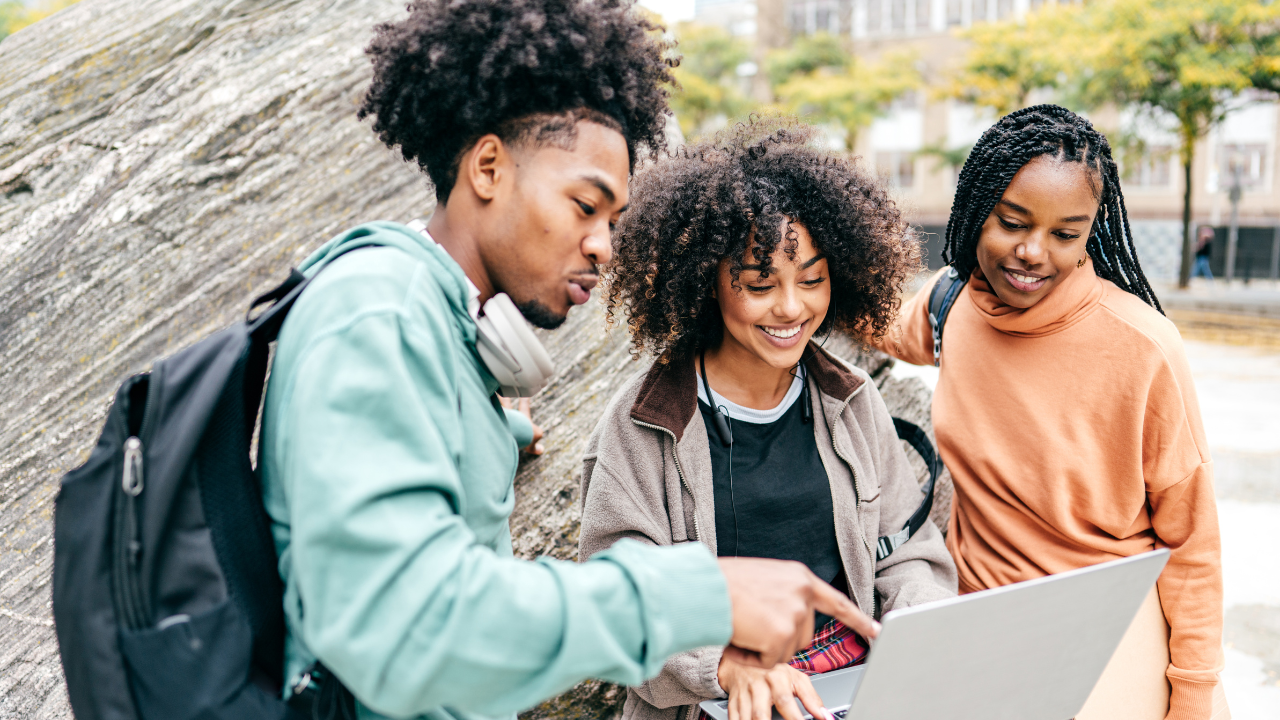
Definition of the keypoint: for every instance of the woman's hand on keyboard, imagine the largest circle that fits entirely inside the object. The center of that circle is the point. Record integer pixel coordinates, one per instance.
(754, 692)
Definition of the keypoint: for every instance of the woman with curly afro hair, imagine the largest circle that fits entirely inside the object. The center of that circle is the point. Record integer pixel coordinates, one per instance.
(745, 435)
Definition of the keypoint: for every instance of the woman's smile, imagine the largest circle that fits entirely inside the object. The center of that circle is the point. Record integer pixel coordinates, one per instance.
(1024, 281)
(784, 336)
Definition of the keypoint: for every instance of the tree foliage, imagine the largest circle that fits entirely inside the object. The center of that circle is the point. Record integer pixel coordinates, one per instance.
(708, 75)
(1185, 59)
(15, 15)
(1007, 61)
(820, 80)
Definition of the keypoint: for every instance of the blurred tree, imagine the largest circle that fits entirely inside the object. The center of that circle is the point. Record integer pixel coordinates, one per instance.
(820, 80)
(15, 15)
(1189, 59)
(951, 158)
(1185, 59)
(1007, 61)
(710, 84)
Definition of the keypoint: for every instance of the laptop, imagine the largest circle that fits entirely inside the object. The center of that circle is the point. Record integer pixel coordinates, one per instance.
(1028, 651)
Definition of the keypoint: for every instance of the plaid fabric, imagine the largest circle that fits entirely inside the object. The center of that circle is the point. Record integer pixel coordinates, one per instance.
(834, 646)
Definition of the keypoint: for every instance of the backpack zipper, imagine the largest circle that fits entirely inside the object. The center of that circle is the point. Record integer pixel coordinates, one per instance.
(127, 565)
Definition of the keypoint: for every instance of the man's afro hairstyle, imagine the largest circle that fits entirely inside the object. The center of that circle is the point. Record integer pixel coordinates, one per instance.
(456, 70)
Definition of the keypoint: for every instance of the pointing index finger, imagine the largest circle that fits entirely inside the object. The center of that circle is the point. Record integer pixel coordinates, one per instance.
(830, 601)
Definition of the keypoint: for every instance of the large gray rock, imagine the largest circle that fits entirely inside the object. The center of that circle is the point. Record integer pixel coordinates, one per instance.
(161, 161)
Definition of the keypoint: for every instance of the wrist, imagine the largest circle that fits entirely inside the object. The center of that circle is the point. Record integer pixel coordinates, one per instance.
(725, 674)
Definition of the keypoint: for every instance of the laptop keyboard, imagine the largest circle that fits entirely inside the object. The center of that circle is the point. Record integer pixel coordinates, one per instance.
(839, 714)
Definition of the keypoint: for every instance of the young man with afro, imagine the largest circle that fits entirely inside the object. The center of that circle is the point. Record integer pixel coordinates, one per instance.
(387, 461)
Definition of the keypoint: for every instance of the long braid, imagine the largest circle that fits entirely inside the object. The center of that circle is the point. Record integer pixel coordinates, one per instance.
(1010, 144)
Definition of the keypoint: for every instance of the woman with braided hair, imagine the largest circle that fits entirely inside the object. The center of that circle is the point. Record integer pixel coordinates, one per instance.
(1065, 408)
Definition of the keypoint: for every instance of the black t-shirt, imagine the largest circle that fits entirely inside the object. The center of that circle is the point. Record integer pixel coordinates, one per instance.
(778, 504)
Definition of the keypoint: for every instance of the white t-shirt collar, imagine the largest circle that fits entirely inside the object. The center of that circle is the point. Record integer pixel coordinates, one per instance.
(741, 413)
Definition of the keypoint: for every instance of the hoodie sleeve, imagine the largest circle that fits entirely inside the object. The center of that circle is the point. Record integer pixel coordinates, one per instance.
(910, 338)
(400, 597)
(1184, 515)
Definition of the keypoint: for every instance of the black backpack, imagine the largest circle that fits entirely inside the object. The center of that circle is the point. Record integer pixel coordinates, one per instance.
(941, 298)
(166, 596)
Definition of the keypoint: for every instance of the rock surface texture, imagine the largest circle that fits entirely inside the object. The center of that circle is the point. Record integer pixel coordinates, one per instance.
(161, 161)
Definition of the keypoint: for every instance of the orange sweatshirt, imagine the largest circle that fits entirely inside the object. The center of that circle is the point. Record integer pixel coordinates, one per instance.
(1073, 436)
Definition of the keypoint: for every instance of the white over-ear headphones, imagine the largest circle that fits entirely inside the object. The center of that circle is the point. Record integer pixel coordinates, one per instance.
(507, 344)
(510, 350)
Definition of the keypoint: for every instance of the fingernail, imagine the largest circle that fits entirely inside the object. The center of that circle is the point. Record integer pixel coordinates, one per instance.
(827, 714)
(537, 449)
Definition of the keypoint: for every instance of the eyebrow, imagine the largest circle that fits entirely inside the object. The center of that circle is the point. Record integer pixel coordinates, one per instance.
(604, 188)
(1013, 206)
(1018, 208)
(805, 266)
(809, 263)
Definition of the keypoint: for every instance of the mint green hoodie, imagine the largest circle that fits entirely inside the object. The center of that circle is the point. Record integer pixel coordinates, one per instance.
(387, 468)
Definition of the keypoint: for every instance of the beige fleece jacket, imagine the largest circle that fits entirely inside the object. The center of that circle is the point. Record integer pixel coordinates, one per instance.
(647, 476)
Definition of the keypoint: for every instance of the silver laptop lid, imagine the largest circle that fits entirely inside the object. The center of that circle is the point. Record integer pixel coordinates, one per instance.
(1029, 651)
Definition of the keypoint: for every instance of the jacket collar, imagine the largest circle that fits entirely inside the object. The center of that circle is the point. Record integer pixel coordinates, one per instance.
(668, 397)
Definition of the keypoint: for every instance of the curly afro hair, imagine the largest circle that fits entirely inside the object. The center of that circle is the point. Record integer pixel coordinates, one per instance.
(699, 206)
(525, 70)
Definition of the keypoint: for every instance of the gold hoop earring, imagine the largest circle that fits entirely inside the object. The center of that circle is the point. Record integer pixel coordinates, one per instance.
(1080, 264)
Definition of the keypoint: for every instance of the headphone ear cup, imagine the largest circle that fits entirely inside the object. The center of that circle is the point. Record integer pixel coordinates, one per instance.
(510, 349)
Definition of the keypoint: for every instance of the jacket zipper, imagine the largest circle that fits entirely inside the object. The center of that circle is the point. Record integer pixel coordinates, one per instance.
(857, 491)
(697, 529)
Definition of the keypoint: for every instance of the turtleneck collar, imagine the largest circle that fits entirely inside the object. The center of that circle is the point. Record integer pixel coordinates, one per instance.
(1064, 306)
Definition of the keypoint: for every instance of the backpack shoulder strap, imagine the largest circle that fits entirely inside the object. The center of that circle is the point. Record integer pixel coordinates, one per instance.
(941, 298)
(918, 440)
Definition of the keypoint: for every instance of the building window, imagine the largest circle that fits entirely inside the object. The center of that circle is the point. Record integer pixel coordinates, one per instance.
(1250, 161)
(898, 167)
(955, 13)
(898, 15)
(1152, 169)
(1004, 9)
(875, 17)
(980, 9)
(923, 8)
(812, 16)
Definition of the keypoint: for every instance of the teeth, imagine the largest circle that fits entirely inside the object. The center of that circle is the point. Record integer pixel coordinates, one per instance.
(784, 334)
(1024, 278)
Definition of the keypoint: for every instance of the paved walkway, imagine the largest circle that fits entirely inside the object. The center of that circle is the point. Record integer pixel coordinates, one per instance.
(1239, 391)
(1260, 298)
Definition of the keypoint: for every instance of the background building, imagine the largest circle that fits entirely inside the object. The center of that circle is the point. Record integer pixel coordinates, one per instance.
(912, 144)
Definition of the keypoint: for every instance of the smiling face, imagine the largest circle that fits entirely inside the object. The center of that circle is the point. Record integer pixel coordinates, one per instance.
(1036, 234)
(772, 318)
(553, 222)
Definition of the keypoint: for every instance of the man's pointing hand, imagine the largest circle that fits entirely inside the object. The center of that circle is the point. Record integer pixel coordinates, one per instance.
(773, 602)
